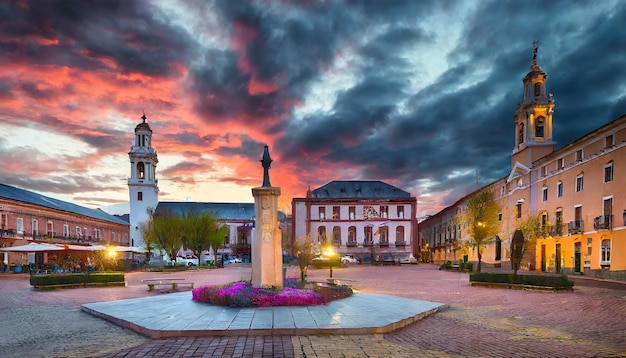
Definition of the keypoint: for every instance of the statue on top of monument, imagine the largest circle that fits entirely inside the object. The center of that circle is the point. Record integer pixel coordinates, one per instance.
(266, 163)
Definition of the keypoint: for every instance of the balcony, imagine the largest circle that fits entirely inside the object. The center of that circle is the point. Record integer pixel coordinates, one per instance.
(368, 243)
(555, 230)
(383, 243)
(400, 243)
(352, 244)
(575, 227)
(603, 222)
(337, 243)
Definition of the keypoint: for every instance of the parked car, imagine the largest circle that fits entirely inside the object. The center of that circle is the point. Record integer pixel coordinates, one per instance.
(186, 261)
(408, 260)
(386, 260)
(350, 259)
(235, 260)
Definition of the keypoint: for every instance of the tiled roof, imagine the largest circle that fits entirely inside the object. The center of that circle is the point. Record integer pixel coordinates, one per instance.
(13, 193)
(358, 189)
(222, 211)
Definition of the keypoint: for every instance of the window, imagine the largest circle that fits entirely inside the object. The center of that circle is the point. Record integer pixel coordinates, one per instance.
(519, 209)
(96, 233)
(499, 218)
(384, 211)
(605, 252)
(352, 234)
(539, 127)
(35, 228)
(368, 233)
(558, 223)
(608, 172)
(544, 193)
(139, 196)
(336, 236)
(336, 211)
(352, 212)
(589, 250)
(66, 230)
(544, 221)
(141, 172)
(520, 134)
(559, 189)
(537, 89)
(544, 172)
(608, 141)
(78, 233)
(399, 235)
(400, 212)
(579, 183)
(112, 236)
(384, 234)
(559, 164)
(579, 155)
(321, 234)
(50, 229)
(20, 225)
(322, 213)
(86, 233)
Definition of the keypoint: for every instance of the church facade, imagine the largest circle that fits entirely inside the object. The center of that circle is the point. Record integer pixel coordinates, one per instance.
(578, 191)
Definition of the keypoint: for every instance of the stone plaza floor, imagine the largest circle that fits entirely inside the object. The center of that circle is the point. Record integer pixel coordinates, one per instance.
(477, 321)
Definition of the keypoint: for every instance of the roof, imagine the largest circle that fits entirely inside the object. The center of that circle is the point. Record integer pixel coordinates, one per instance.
(222, 211)
(25, 196)
(358, 189)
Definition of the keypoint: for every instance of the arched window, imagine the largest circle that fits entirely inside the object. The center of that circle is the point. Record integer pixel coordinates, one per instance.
(368, 234)
(539, 127)
(520, 134)
(384, 235)
(337, 236)
(321, 234)
(400, 235)
(352, 235)
(141, 171)
(537, 89)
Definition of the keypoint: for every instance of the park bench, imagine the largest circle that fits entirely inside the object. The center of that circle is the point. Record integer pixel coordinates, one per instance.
(174, 282)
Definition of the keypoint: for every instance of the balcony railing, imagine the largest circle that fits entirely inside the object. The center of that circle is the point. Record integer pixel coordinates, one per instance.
(555, 230)
(575, 227)
(603, 222)
(383, 243)
(400, 243)
(352, 244)
(368, 243)
(336, 242)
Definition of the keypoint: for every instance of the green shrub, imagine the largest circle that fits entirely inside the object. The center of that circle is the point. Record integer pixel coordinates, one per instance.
(75, 278)
(100, 277)
(532, 280)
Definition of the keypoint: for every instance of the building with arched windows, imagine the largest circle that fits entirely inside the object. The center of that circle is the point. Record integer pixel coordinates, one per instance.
(366, 219)
(578, 191)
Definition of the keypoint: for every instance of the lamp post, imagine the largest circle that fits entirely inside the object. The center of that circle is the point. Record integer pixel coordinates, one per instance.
(330, 253)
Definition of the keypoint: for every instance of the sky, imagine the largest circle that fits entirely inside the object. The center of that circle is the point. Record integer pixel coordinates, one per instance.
(418, 94)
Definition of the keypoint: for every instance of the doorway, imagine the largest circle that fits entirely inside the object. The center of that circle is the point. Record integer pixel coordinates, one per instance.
(557, 258)
(543, 258)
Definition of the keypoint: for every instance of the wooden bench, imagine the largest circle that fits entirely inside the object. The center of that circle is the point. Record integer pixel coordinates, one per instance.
(174, 282)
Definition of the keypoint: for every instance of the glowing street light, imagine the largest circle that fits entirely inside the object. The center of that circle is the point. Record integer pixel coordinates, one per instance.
(330, 252)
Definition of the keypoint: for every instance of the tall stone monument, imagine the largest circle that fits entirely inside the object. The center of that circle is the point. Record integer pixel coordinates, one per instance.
(267, 255)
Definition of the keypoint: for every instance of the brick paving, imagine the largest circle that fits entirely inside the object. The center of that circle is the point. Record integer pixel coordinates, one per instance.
(480, 322)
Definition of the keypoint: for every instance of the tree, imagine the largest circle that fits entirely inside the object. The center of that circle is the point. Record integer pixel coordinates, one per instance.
(164, 232)
(302, 248)
(481, 217)
(531, 229)
(201, 232)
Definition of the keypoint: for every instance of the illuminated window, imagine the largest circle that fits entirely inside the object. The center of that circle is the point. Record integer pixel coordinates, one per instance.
(336, 212)
(384, 211)
(322, 213)
(141, 172)
(539, 127)
(352, 212)
(400, 212)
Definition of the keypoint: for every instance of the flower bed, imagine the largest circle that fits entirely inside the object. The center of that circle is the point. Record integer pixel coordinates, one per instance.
(242, 294)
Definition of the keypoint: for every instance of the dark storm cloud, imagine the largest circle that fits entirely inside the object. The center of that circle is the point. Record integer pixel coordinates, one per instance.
(84, 34)
(249, 148)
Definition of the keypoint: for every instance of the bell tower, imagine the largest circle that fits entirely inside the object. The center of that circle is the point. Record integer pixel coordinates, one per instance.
(142, 184)
(533, 118)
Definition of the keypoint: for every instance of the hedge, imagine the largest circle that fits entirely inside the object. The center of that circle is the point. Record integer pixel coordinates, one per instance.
(76, 279)
(531, 280)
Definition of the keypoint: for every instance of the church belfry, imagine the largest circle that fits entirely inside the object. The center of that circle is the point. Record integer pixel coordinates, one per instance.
(142, 184)
(533, 117)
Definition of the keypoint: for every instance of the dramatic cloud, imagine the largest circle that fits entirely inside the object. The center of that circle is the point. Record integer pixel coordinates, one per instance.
(420, 94)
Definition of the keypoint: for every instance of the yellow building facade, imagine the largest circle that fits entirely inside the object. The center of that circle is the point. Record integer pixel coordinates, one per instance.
(579, 192)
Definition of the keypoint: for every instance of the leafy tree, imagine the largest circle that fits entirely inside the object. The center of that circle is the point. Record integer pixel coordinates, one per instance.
(302, 248)
(481, 217)
(166, 233)
(531, 229)
(201, 232)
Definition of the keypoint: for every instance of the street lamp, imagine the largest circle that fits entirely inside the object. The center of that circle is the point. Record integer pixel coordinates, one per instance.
(330, 253)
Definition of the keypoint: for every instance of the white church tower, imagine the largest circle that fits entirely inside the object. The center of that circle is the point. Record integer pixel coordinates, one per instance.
(142, 184)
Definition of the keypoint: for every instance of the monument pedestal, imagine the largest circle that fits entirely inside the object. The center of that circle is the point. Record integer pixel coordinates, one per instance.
(267, 253)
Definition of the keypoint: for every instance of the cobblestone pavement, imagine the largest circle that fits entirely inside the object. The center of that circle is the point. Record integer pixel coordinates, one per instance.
(480, 322)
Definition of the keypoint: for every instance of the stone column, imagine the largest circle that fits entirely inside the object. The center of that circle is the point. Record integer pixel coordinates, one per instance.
(267, 254)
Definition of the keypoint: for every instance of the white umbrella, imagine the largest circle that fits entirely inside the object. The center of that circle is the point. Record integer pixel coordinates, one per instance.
(33, 247)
